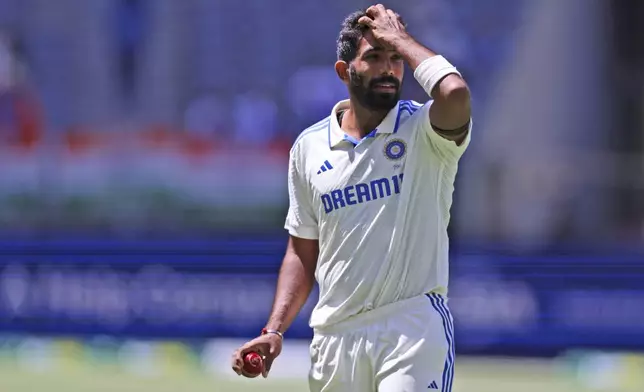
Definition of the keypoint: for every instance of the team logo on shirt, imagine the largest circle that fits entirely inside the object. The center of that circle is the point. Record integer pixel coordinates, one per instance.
(395, 149)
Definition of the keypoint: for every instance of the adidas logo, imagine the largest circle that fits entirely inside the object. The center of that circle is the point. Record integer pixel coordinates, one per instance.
(433, 385)
(326, 166)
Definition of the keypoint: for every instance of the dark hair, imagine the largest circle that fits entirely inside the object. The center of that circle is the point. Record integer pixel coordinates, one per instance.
(350, 35)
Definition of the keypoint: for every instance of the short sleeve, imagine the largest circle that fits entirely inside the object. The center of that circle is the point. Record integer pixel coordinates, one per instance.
(300, 220)
(446, 149)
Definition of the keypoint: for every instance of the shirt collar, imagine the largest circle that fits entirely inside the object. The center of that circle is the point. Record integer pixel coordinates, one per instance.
(336, 135)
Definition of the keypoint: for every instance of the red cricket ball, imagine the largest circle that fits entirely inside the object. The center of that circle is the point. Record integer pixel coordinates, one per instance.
(253, 365)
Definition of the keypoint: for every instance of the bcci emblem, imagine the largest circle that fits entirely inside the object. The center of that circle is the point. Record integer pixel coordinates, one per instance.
(395, 149)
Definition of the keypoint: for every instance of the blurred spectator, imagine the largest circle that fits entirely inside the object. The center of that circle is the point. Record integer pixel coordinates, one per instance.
(255, 117)
(206, 115)
(130, 27)
(20, 114)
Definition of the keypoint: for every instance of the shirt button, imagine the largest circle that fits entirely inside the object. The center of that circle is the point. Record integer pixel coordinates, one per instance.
(369, 306)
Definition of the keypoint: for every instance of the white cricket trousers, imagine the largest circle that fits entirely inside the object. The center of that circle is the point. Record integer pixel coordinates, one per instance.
(407, 346)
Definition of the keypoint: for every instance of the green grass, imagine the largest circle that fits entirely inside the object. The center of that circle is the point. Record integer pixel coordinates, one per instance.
(471, 375)
(11, 381)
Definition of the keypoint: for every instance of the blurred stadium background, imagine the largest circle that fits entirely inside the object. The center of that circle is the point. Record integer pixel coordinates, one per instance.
(143, 151)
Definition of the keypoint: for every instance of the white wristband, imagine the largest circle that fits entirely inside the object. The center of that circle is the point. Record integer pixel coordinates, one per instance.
(432, 70)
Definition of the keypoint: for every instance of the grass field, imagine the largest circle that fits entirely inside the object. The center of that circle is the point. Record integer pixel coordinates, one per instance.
(481, 375)
(36, 364)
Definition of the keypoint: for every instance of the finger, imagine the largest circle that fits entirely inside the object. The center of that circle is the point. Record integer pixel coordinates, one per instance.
(381, 10)
(237, 370)
(392, 14)
(268, 363)
(368, 35)
(372, 11)
(237, 362)
(366, 21)
(399, 19)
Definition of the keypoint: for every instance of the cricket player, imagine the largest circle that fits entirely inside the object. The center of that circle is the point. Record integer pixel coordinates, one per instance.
(370, 190)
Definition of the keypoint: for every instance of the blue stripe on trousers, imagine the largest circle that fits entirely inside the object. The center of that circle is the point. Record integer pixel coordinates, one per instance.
(438, 302)
(442, 302)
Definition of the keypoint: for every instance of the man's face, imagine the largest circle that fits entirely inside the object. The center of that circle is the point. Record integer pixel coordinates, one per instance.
(375, 76)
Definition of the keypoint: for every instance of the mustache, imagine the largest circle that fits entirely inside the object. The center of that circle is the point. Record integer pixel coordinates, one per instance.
(385, 79)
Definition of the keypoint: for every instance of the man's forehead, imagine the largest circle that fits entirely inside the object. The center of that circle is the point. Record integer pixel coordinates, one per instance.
(365, 46)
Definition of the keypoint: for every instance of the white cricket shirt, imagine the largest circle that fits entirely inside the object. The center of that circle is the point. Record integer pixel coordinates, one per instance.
(379, 208)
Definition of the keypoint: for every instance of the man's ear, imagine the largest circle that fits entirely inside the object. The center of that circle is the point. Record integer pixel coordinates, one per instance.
(342, 70)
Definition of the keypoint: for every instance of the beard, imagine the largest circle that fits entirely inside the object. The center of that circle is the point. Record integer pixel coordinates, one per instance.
(367, 95)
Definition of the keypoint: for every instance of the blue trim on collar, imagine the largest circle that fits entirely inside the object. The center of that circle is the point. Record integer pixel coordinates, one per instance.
(408, 106)
(398, 117)
(355, 141)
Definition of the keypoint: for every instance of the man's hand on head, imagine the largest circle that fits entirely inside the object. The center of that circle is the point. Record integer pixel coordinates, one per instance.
(384, 25)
